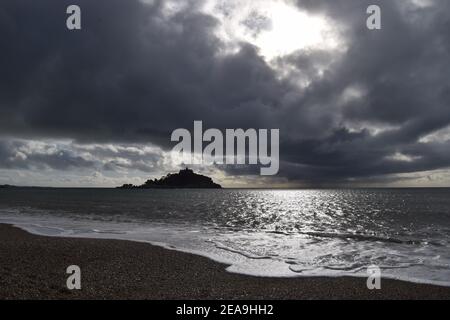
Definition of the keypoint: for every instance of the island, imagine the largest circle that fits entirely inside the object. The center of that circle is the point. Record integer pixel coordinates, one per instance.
(185, 179)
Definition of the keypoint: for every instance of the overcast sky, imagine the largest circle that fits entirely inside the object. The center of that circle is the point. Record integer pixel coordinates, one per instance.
(97, 106)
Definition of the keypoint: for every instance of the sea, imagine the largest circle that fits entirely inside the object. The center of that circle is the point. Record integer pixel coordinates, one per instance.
(267, 233)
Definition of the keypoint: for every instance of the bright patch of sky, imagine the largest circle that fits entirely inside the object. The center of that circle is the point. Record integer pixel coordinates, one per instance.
(276, 27)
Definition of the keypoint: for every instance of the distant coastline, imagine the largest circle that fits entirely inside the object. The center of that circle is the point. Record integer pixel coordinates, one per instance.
(185, 179)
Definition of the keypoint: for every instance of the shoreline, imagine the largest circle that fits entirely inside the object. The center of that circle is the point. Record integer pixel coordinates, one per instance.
(34, 267)
(226, 262)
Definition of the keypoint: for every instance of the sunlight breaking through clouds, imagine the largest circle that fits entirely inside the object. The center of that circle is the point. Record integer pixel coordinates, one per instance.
(277, 28)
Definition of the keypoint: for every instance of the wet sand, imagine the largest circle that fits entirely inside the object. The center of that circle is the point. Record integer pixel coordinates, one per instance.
(34, 267)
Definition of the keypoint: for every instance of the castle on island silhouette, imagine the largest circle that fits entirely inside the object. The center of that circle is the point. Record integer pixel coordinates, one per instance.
(185, 179)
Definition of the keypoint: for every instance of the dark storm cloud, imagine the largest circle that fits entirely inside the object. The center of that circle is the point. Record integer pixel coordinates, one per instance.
(133, 74)
(129, 74)
(404, 70)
